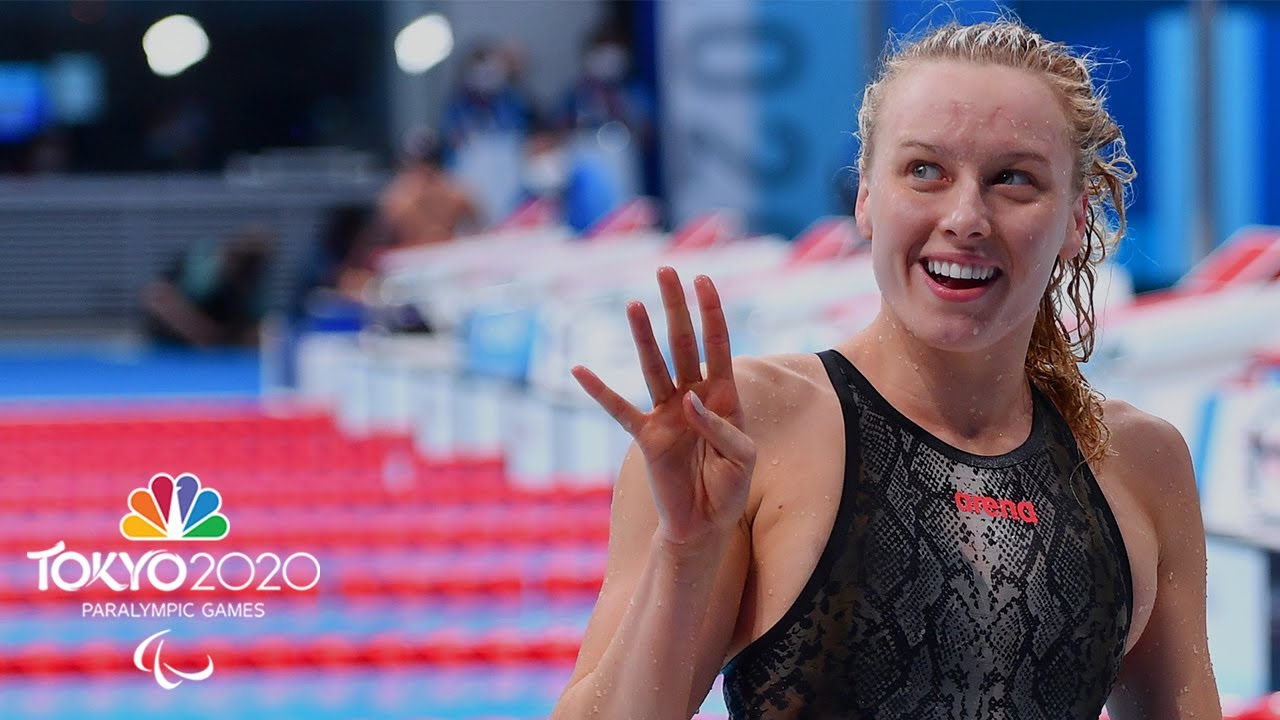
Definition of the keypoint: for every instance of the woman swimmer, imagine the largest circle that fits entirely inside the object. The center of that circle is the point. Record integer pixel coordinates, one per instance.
(938, 518)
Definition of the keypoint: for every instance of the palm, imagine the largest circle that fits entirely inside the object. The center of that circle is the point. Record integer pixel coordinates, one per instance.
(699, 466)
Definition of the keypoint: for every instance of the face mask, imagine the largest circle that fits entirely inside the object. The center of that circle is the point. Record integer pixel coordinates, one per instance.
(546, 173)
(486, 77)
(607, 63)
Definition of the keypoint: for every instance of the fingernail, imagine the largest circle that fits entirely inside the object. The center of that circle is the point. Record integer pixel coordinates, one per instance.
(697, 403)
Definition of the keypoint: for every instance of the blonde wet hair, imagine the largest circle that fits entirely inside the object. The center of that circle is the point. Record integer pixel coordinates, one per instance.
(1103, 171)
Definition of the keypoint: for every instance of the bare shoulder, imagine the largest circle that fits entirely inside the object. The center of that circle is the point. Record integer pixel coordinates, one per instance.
(777, 388)
(792, 416)
(1151, 458)
(793, 371)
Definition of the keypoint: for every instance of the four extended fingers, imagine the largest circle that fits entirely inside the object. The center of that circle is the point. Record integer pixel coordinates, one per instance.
(684, 348)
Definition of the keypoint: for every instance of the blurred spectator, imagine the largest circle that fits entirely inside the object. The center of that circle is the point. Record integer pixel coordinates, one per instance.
(609, 113)
(487, 99)
(605, 93)
(422, 204)
(214, 295)
(578, 182)
(341, 265)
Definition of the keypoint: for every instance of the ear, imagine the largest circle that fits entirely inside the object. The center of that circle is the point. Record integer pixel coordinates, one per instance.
(1077, 228)
(860, 215)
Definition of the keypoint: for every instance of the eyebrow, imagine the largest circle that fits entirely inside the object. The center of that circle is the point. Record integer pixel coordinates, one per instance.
(1012, 156)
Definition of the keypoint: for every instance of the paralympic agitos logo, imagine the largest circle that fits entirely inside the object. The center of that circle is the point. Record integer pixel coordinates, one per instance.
(162, 670)
(170, 510)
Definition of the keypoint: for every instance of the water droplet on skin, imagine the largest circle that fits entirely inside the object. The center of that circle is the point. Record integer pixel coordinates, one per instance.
(774, 461)
(975, 331)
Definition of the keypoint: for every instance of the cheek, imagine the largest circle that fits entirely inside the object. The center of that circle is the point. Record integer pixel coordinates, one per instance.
(900, 219)
(1037, 266)
(1038, 237)
(1038, 259)
(882, 259)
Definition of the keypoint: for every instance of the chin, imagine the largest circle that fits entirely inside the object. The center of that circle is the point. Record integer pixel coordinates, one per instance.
(954, 334)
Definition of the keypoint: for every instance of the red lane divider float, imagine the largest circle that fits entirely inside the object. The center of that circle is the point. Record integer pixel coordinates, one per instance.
(442, 487)
(571, 570)
(554, 645)
(486, 586)
(318, 531)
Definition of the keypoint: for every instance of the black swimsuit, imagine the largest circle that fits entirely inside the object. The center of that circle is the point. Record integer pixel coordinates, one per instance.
(953, 586)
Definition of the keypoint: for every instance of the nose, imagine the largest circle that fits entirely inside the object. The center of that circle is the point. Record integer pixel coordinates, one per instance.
(965, 216)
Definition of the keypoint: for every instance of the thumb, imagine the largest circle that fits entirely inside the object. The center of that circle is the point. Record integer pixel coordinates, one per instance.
(728, 440)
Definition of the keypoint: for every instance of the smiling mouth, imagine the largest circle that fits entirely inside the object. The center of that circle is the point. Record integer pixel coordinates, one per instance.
(959, 277)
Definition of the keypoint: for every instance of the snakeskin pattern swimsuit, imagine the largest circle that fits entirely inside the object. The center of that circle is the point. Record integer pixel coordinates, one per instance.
(953, 586)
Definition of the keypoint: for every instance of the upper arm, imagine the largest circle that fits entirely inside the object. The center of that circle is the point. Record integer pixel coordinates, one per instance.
(1167, 674)
(633, 521)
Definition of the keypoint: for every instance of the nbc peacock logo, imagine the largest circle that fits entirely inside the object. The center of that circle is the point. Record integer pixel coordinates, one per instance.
(169, 509)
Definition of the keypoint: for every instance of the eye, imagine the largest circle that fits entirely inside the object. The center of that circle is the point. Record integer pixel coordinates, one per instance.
(1013, 177)
(925, 171)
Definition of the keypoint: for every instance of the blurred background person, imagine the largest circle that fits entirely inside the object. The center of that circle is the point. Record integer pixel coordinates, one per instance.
(609, 113)
(580, 182)
(486, 99)
(485, 119)
(214, 294)
(423, 204)
(340, 264)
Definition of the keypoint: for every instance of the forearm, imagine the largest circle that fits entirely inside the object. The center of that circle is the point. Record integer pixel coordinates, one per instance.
(170, 307)
(648, 669)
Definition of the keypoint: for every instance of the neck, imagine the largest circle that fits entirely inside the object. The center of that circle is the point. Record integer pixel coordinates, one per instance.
(976, 400)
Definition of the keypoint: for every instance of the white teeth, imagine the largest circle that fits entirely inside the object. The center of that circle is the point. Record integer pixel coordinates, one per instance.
(960, 272)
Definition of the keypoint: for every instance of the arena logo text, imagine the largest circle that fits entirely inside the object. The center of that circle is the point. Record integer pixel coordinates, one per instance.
(1024, 511)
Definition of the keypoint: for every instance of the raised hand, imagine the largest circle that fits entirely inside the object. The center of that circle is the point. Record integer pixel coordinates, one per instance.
(698, 458)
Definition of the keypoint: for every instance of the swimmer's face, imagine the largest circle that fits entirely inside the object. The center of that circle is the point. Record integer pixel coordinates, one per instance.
(972, 165)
